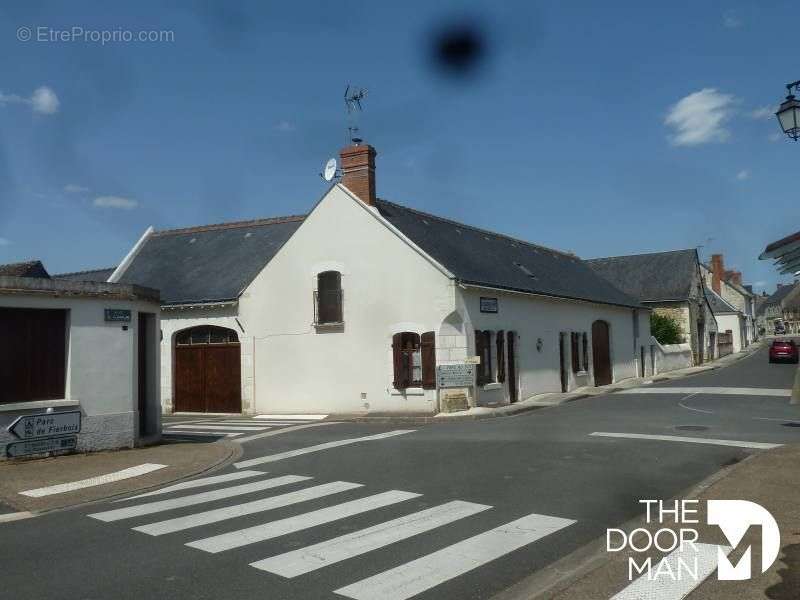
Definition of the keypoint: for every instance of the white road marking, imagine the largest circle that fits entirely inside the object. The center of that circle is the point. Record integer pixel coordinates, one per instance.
(318, 448)
(717, 391)
(205, 433)
(316, 556)
(292, 417)
(667, 588)
(691, 440)
(16, 516)
(786, 420)
(220, 427)
(247, 508)
(139, 510)
(429, 571)
(195, 483)
(93, 481)
(258, 436)
(274, 529)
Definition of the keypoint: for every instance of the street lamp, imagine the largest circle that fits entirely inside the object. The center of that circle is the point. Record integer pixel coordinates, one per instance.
(789, 113)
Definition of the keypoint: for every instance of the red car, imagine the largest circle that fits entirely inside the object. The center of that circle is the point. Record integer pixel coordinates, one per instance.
(783, 351)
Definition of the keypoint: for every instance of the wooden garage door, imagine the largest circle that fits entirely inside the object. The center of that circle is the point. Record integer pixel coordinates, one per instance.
(208, 371)
(601, 353)
(33, 354)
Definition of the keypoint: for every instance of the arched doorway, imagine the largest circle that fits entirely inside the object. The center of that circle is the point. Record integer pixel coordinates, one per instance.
(601, 353)
(207, 370)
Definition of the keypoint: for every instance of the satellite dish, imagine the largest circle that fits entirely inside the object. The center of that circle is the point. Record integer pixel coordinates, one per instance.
(330, 169)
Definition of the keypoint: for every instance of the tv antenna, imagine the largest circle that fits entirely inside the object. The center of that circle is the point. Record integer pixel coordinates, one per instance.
(352, 101)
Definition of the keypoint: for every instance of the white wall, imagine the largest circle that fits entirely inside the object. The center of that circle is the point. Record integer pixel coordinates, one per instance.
(670, 357)
(175, 320)
(101, 370)
(536, 318)
(387, 288)
(735, 323)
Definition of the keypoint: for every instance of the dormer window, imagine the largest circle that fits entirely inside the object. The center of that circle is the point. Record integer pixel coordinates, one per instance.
(328, 299)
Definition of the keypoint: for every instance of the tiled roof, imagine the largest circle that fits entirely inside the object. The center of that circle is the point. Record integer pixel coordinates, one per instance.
(210, 263)
(654, 277)
(480, 257)
(97, 275)
(31, 268)
(719, 306)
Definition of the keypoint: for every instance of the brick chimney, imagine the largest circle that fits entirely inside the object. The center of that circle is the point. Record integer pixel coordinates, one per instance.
(717, 271)
(358, 171)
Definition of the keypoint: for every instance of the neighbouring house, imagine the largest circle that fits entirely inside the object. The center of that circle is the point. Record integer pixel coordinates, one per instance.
(367, 306)
(671, 284)
(79, 346)
(731, 323)
(781, 310)
(728, 285)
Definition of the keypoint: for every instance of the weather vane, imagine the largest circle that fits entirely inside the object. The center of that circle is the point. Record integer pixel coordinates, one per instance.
(352, 101)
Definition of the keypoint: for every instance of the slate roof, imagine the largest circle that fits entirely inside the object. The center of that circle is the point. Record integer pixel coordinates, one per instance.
(480, 257)
(654, 277)
(30, 268)
(776, 298)
(718, 304)
(96, 275)
(212, 263)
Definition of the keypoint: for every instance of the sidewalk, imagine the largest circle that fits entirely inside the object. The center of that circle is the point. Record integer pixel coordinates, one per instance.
(591, 573)
(179, 460)
(543, 400)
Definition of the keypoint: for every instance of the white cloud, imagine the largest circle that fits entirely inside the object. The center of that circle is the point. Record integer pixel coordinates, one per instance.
(5, 241)
(731, 20)
(763, 112)
(760, 284)
(699, 118)
(284, 126)
(115, 202)
(743, 174)
(72, 188)
(43, 100)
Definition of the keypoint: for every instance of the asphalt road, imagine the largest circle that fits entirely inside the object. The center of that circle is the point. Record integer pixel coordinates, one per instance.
(543, 463)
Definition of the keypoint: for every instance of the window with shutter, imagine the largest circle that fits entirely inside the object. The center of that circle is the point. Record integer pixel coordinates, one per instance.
(585, 352)
(407, 358)
(576, 363)
(428, 343)
(483, 348)
(501, 356)
(329, 298)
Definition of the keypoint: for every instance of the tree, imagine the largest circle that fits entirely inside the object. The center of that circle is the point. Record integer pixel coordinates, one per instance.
(665, 329)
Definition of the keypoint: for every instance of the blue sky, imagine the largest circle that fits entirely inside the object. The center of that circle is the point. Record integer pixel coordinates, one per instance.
(599, 128)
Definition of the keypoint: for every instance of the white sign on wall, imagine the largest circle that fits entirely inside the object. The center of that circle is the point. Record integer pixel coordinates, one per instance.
(29, 427)
(450, 376)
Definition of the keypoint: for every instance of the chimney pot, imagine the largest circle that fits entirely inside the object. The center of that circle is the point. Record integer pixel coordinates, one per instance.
(717, 272)
(358, 171)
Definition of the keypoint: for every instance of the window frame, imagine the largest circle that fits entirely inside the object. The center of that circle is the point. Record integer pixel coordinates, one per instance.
(483, 348)
(331, 314)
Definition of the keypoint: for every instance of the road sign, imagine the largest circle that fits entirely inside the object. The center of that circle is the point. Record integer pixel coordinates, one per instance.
(41, 425)
(450, 376)
(54, 444)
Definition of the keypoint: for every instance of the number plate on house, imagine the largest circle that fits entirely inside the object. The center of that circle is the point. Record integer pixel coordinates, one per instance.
(450, 376)
(55, 444)
(118, 315)
(42, 425)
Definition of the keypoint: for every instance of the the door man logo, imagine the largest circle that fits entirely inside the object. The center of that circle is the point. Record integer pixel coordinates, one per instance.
(733, 517)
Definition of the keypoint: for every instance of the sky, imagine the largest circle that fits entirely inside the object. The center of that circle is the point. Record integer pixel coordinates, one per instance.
(600, 128)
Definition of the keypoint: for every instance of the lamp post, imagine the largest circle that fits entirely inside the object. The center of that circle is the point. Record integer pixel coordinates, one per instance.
(789, 112)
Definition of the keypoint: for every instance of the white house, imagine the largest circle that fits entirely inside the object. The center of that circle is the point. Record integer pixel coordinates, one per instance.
(356, 306)
(79, 346)
(731, 322)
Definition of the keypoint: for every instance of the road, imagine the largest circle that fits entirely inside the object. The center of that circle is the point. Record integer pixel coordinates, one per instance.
(472, 478)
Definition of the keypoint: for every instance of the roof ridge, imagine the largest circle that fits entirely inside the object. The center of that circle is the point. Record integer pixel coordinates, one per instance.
(641, 254)
(22, 262)
(84, 271)
(480, 229)
(230, 225)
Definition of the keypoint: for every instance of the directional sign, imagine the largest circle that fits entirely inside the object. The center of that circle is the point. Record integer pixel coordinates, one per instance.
(42, 425)
(54, 444)
(449, 376)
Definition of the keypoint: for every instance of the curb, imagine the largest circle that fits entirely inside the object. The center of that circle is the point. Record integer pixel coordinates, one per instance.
(559, 575)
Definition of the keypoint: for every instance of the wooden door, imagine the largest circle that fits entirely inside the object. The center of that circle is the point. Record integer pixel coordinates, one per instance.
(601, 353)
(142, 373)
(562, 348)
(223, 392)
(511, 353)
(189, 378)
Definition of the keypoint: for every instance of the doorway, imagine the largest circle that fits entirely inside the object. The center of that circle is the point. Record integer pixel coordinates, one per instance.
(562, 349)
(208, 370)
(601, 353)
(511, 344)
(146, 369)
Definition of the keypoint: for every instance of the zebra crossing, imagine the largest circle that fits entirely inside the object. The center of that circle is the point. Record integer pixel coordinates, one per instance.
(229, 428)
(399, 582)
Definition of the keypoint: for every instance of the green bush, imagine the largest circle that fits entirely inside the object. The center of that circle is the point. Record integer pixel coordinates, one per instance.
(665, 329)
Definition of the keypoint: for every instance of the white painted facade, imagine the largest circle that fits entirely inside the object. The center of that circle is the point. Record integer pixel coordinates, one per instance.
(102, 360)
(735, 323)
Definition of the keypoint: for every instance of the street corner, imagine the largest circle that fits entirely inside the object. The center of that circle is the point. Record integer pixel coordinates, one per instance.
(37, 485)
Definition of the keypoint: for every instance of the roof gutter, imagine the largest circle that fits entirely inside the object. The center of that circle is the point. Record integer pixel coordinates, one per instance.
(200, 304)
(126, 262)
(468, 284)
